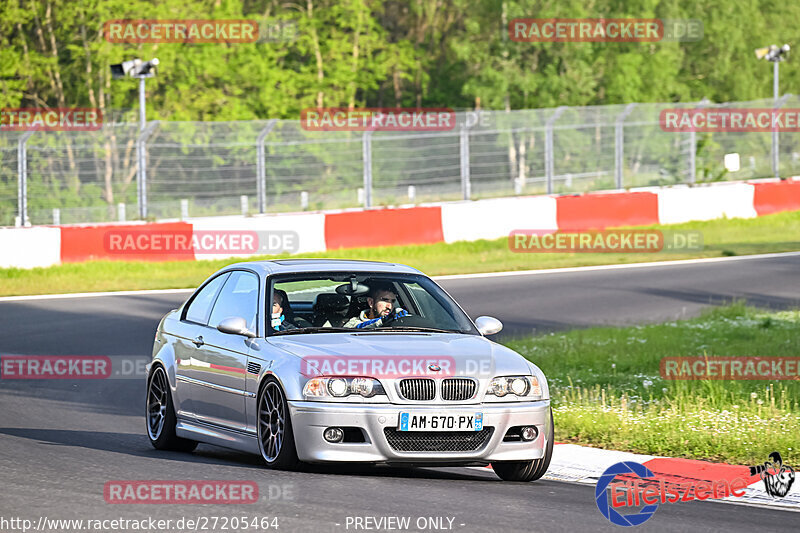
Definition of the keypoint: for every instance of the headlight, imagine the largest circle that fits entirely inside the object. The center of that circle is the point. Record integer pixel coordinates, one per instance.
(363, 386)
(520, 386)
(338, 387)
(341, 387)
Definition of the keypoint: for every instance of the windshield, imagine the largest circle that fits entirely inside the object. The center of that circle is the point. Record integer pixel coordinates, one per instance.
(351, 302)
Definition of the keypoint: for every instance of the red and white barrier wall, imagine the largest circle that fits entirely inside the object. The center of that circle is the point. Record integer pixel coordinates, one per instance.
(30, 247)
(446, 222)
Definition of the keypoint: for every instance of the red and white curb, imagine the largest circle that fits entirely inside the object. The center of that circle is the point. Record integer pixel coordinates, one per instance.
(582, 464)
(425, 224)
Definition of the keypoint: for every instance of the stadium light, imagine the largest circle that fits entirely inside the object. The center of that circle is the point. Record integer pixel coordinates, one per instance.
(136, 68)
(774, 55)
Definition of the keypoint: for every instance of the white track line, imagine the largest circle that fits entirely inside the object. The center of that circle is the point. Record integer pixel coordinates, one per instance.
(90, 294)
(617, 267)
(653, 264)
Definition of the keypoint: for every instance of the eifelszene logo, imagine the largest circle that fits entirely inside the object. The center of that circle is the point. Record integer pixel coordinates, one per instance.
(777, 477)
(606, 507)
(639, 487)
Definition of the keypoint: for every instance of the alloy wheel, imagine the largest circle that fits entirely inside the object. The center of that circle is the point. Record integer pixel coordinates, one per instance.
(271, 421)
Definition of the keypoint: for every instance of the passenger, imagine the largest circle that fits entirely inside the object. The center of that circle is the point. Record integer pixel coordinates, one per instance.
(279, 322)
(382, 310)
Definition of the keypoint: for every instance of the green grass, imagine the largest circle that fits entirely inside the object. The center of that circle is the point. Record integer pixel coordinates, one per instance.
(607, 390)
(773, 233)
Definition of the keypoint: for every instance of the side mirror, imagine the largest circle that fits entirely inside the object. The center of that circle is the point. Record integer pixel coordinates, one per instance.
(488, 325)
(235, 325)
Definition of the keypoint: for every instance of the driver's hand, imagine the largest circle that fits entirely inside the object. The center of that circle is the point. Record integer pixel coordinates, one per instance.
(388, 319)
(394, 315)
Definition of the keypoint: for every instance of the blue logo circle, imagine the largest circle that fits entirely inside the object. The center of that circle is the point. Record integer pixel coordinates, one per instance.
(601, 495)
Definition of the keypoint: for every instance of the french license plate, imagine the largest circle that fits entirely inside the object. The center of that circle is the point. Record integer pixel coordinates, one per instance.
(410, 421)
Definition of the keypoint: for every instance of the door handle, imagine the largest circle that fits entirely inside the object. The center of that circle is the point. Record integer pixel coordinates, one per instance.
(198, 341)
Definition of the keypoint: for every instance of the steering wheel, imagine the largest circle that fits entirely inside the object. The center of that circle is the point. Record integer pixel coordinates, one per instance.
(408, 320)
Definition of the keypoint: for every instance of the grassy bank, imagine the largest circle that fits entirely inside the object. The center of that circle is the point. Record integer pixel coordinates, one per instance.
(773, 233)
(608, 392)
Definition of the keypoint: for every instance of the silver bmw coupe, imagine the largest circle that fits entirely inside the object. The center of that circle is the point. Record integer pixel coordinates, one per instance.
(305, 360)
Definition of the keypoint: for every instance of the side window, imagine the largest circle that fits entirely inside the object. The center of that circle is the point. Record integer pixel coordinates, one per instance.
(200, 307)
(430, 308)
(239, 297)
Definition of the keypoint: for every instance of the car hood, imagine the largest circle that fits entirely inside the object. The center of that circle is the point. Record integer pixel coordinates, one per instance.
(470, 354)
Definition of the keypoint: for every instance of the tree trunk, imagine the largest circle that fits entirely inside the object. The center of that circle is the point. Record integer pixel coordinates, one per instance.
(317, 53)
(354, 66)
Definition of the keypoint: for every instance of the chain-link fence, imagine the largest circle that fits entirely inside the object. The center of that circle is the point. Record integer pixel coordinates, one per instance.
(188, 169)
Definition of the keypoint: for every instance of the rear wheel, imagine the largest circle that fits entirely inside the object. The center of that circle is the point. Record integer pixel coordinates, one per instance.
(160, 415)
(527, 470)
(275, 435)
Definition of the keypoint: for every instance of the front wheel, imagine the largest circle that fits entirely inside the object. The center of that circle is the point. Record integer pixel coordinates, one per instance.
(160, 415)
(527, 470)
(275, 435)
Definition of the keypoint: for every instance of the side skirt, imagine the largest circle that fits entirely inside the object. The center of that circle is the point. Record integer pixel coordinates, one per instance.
(218, 436)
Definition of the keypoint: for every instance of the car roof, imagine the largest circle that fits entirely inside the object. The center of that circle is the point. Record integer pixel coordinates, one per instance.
(290, 266)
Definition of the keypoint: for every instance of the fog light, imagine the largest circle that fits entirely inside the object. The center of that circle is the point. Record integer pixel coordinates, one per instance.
(333, 435)
(529, 433)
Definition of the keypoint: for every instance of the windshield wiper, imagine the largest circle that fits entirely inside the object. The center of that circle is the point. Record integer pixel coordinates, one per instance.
(415, 328)
(299, 331)
(320, 329)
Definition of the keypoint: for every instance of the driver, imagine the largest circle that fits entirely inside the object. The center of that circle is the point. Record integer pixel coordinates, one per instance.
(382, 310)
(279, 322)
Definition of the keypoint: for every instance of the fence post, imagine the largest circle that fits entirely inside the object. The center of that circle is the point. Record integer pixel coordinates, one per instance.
(549, 165)
(141, 174)
(776, 147)
(366, 147)
(261, 167)
(466, 185)
(693, 146)
(619, 143)
(22, 178)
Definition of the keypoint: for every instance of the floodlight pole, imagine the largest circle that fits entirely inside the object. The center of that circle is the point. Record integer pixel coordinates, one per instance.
(775, 55)
(142, 113)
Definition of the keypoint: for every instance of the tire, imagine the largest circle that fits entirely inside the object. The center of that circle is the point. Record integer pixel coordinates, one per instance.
(274, 428)
(527, 470)
(160, 415)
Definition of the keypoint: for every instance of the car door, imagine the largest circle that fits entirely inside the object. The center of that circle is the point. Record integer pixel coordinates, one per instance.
(220, 359)
(184, 334)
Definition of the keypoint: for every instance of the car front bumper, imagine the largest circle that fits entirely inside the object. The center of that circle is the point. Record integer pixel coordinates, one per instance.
(310, 419)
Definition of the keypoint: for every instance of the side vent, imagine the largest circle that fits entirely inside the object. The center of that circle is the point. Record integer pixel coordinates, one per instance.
(253, 368)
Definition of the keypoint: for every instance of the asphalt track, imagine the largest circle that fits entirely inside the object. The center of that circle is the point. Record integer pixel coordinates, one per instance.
(61, 441)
